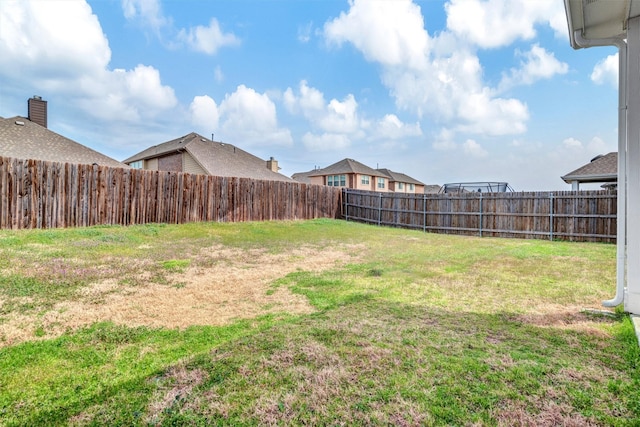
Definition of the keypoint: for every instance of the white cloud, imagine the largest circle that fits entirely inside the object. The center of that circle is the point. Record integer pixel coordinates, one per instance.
(341, 116)
(436, 77)
(572, 143)
(334, 117)
(310, 101)
(391, 127)
(606, 71)
(204, 113)
(325, 141)
(250, 117)
(537, 64)
(444, 141)
(59, 46)
(496, 23)
(339, 121)
(474, 149)
(390, 32)
(304, 32)
(207, 39)
(594, 147)
(149, 12)
(50, 40)
(218, 75)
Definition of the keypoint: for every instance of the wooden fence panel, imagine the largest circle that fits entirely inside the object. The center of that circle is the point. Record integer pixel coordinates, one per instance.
(38, 194)
(566, 215)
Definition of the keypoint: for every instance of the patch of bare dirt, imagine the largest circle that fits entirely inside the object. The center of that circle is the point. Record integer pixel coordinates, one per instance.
(235, 284)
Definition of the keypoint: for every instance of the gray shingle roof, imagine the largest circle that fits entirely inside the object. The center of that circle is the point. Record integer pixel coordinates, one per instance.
(216, 158)
(21, 138)
(304, 177)
(399, 177)
(600, 169)
(345, 166)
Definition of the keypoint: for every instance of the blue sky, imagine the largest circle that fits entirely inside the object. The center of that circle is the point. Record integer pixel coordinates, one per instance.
(444, 91)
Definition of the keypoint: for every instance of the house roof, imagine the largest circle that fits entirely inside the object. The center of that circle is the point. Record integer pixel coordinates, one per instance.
(400, 177)
(21, 138)
(216, 158)
(304, 177)
(603, 168)
(346, 166)
(432, 188)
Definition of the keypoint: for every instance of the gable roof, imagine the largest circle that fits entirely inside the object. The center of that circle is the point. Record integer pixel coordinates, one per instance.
(346, 166)
(21, 138)
(400, 177)
(216, 158)
(303, 177)
(603, 168)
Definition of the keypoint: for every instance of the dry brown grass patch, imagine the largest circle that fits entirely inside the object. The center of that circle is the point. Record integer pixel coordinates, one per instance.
(565, 317)
(179, 382)
(549, 414)
(237, 284)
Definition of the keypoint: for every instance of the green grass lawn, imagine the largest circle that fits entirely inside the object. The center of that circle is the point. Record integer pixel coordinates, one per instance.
(404, 328)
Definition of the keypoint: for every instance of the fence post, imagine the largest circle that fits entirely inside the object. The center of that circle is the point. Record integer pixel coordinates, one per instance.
(424, 211)
(380, 210)
(346, 204)
(480, 222)
(551, 216)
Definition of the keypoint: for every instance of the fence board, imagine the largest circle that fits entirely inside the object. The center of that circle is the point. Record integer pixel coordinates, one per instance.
(566, 215)
(38, 194)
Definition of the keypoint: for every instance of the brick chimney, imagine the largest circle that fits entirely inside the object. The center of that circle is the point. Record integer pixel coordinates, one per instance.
(38, 110)
(272, 165)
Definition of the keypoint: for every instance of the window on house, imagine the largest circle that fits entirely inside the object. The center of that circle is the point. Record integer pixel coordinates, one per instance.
(400, 186)
(365, 179)
(137, 165)
(336, 180)
(411, 187)
(380, 182)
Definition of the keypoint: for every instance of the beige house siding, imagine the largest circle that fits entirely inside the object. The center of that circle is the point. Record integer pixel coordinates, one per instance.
(395, 187)
(190, 165)
(151, 164)
(360, 186)
(386, 184)
(355, 181)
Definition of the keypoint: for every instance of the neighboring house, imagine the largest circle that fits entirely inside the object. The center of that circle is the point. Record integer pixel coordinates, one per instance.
(303, 177)
(194, 153)
(29, 138)
(432, 189)
(602, 168)
(350, 173)
(401, 183)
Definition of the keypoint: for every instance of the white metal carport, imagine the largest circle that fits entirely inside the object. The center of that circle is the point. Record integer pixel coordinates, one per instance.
(617, 23)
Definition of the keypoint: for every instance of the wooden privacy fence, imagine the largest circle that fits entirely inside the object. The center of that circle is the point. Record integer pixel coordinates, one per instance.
(39, 194)
(563, 215)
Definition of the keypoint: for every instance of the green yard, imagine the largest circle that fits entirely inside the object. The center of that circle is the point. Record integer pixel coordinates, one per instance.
(309, 323)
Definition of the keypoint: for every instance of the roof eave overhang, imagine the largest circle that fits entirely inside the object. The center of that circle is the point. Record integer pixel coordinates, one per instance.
(597, 20)
(590, 178)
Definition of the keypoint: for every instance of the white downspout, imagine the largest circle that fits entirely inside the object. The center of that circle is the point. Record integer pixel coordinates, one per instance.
(621, 243)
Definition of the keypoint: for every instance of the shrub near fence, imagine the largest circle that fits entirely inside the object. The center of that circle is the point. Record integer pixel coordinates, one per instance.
(39, 194)
(563, 215)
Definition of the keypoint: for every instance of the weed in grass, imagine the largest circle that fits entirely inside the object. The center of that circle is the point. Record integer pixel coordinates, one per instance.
(176, 265)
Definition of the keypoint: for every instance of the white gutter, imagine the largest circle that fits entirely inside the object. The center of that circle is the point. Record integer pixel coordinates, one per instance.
(621, 243)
